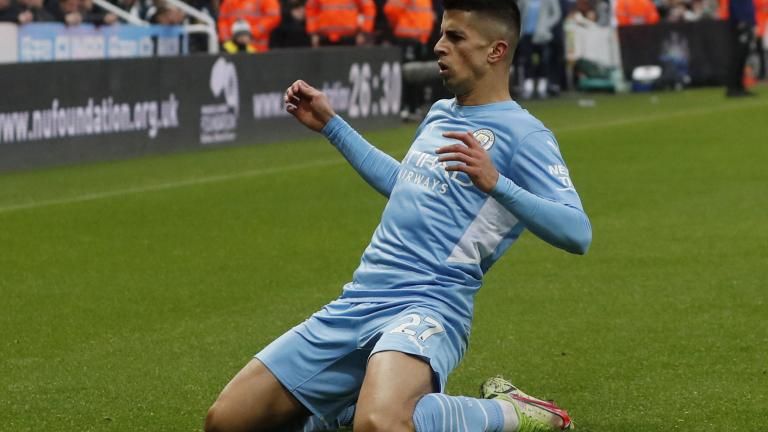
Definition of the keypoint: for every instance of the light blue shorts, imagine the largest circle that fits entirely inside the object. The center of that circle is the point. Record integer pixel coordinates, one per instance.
(322, 361)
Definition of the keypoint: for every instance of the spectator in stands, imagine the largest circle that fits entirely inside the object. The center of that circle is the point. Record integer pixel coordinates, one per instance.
(262, 15)
(761, 16)
(742, 23)
(211, 7)
(76, 12)
(411, 22)
(583, 10)
(9, 11)
(687, 10)
(382, 32)
(136, 8)
(33, 11)
(539, 17)
(340, 22)
(292, 31)
(677, 11)
(66, 11)
(95, 15)
(242, 39)
(634, 12)
(166, 14)
(557, 77)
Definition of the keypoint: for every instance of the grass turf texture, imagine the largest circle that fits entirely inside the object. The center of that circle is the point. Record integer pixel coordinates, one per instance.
(132, 291)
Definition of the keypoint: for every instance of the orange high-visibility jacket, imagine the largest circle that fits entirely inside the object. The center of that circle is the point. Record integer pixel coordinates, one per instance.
(335, 19)
(631, 12)
(262, 15)
(410, 19)
(761, 15)
(723, 11)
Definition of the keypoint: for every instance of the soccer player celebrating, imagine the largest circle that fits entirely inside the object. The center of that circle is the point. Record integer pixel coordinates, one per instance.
(479, 172)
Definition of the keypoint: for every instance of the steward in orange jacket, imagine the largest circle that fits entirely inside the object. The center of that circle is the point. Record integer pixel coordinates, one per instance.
(410, 19)
(633, 12)
(337, 21)
(761, 15)
(262, 15)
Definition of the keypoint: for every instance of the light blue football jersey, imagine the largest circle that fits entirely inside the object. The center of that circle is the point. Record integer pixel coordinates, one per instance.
(439, 234)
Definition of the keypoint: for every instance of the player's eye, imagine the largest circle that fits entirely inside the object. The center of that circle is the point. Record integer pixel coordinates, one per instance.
(453, 36)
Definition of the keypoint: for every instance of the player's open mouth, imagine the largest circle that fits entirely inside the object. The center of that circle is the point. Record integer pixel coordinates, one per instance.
(443, 68)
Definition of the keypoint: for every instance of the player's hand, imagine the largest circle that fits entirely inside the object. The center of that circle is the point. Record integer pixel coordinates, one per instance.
(473, 160)
(110, 18)
(73, 18)
(309, 105)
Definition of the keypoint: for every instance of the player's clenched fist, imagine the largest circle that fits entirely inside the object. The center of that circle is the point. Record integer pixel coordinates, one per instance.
(309, 105)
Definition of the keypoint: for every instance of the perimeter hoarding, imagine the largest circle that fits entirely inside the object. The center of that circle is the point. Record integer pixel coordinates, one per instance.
(9, 43)
(56, 42)
(698, 48)
(55, 113)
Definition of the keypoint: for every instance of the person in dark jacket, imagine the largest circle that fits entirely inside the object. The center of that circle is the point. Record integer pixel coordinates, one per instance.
(9, 11)
(33, 11)
(741, 19)
(76, 12)
(292, 31)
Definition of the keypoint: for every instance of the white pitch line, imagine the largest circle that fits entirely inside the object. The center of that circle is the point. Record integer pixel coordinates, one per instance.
(298, 167)
(168, 185)
(657, 117)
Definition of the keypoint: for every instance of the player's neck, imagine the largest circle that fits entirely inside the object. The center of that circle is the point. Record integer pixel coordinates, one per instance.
(486, 92)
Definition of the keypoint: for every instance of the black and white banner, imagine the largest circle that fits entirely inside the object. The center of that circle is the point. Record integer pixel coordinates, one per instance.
(699, 49)
(69, 112)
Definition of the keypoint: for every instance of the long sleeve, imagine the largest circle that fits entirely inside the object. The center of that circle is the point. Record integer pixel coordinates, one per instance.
(376, 167)
(556, 223)
(537, 189)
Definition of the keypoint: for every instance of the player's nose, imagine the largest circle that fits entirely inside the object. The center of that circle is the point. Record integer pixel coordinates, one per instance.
(440, 49)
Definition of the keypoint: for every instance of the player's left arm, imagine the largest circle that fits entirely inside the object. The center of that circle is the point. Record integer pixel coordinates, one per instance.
(543, 198)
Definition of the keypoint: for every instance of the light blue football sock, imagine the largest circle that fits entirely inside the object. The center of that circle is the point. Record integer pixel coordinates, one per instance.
(438, 412)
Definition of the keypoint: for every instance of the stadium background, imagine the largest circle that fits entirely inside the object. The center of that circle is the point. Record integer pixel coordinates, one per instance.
(132, 289)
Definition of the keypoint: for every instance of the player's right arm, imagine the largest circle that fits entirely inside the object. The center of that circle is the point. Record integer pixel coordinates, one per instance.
(311, 108)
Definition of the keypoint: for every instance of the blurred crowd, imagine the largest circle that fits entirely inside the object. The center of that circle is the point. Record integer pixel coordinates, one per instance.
(269, 24)
(76, 12)
(253, 26)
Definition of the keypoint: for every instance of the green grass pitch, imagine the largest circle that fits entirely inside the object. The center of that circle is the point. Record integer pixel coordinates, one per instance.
(130, 292)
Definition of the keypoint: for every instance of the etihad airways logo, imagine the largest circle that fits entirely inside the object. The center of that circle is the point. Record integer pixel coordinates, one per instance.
(436, 178)
(438, 181)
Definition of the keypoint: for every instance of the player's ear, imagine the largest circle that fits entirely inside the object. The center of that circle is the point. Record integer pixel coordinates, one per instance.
(498, 51)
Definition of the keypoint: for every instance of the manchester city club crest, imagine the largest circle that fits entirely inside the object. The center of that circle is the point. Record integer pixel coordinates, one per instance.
(485, 137)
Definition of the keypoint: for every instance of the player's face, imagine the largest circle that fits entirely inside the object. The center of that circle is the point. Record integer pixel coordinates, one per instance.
(462, 51)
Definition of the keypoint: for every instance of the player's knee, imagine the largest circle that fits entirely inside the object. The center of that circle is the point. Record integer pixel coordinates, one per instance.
(221, 419)
(215, 420)
(380, 421)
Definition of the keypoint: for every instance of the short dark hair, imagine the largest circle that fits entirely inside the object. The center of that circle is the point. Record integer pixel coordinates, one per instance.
(504, 11)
